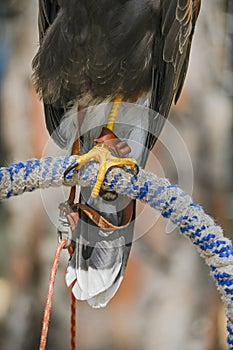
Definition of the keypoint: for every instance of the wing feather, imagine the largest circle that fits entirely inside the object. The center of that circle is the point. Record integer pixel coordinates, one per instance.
(48, 11)
(171, 53)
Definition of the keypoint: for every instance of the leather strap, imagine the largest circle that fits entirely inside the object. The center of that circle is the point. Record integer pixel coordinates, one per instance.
(104, 224)
(109, 139)
(72, 215)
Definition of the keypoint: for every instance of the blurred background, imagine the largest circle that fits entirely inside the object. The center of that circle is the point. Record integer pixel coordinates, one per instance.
(167, 301)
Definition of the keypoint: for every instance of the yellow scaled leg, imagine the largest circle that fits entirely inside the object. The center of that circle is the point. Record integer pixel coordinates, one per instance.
(113, 113)
(102, 154)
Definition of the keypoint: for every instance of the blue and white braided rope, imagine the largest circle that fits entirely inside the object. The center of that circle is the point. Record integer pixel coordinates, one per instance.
(157, 192)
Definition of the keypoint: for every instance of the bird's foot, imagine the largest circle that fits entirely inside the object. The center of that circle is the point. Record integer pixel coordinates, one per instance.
(102, 153)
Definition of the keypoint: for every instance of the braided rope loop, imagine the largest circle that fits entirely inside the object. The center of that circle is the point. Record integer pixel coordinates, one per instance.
(170, 200)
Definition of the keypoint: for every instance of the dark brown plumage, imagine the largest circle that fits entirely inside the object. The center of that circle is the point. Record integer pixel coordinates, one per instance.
(97, 50)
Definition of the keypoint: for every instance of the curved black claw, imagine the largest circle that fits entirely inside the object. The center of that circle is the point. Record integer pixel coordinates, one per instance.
(131, 171)
(68, 170)
(108, 196)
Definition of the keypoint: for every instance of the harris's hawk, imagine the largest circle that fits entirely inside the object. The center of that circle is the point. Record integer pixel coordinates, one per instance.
(116, 51)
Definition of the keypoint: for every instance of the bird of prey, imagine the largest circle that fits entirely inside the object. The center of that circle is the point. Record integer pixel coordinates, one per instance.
(90, 52)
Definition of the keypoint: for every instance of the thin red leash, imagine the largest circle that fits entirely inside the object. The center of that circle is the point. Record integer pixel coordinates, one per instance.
(73, 322)
(72, 314)
(48, 305)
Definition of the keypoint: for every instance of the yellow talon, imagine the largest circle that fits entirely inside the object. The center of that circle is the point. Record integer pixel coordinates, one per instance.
(101, 154)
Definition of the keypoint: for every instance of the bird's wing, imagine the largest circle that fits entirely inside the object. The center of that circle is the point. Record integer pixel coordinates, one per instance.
(48, 11)
(172, 43)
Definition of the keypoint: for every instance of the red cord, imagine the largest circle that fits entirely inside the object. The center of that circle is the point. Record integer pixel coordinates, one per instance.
(48, 305)
(72, 314)
(73, 322)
